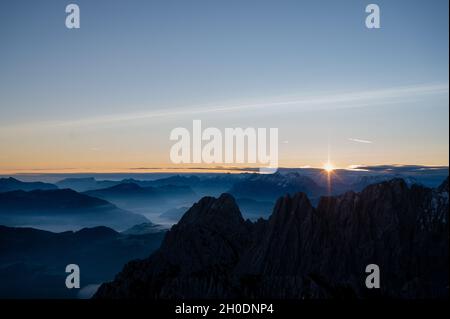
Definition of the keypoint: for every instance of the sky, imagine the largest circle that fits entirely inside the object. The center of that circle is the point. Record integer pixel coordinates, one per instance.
(105, 97)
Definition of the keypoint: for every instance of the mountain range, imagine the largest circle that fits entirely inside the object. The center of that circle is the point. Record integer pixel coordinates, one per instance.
(12, 184)
(82, 184)
(146, 200)
(301, 251)
(272, 186)
(62, 209)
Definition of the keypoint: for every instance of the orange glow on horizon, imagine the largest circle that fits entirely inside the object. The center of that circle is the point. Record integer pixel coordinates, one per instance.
(328, 168)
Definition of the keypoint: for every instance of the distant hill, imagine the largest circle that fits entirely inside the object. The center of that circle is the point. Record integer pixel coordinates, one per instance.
(62, 209)
(144, 228)
(32, 262)
(174, 214)
(202, 184)
(137, 198)
(125, 190)
(84, 184)
(364, 181)
(176, 180)
(271, 186)
(12, 184)
(255, 209)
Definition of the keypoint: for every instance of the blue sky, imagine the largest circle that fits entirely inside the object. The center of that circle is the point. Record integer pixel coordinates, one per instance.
(135, 58)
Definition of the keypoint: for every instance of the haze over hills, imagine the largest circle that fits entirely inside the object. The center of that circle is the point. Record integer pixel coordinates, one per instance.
(138, 138)
(33, 262)
(214, 253)
(270, 187)
(161, 197)
(144, 228)
(177, 180)
(174, 214)
(127, 191)
(62, 209)
(149, 200)
(361, 226)
(199, 183)
(82, 184)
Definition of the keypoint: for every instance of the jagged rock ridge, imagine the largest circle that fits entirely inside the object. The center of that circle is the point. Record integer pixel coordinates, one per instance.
(301, 251)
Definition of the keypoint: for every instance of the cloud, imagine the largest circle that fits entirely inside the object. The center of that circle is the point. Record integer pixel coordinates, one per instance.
(357, 140)
(401, 169)
(323, 101)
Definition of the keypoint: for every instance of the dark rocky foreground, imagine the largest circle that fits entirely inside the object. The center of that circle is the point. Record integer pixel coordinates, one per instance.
(33, 261)
(301, 251)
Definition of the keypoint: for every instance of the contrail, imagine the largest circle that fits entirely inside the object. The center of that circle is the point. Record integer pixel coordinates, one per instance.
(318, 102)
(357, 140)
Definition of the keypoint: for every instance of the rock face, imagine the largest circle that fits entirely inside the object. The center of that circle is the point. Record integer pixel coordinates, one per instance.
(301, 251)
(195, 258)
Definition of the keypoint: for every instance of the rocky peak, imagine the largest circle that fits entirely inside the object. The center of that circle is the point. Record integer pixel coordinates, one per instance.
(301, 252)
(195, 256)
(209, 224)
(209, 211)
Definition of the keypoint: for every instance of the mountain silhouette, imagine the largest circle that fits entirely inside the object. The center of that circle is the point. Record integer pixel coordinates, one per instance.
(33, 262)
(148, 199)
(62, 209)
(82, 184)
(301, 251)
(125, 190)
(144, 228)
(12, 184)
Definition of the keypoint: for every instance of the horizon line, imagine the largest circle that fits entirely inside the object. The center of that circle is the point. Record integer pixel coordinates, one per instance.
(198, 170)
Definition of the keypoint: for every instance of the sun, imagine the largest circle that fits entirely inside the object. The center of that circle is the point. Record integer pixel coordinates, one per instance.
(328, 167)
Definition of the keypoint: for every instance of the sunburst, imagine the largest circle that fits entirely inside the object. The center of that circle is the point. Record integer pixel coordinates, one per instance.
(328, 167)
